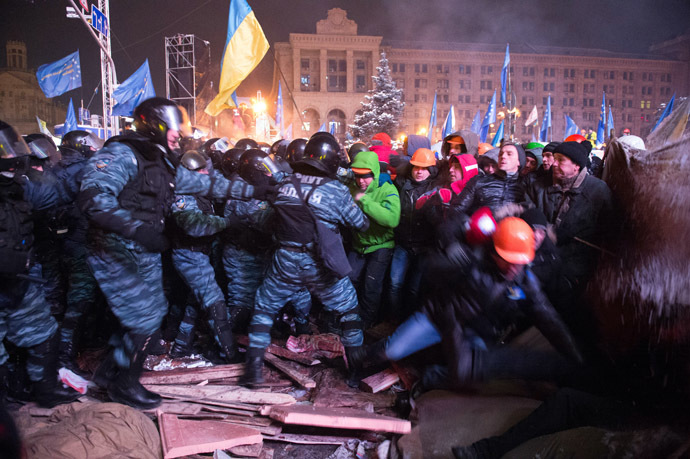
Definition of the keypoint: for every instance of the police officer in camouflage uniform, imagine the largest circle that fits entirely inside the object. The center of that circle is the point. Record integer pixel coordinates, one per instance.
(248, 243)
(25, 317)
(69, 227)
(192, 236)
(127, 192)
(295, 263)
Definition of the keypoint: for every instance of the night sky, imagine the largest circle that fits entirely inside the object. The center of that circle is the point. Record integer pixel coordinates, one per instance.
(139, 27)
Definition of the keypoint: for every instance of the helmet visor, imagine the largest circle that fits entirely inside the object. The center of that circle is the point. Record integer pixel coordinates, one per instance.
(11, 145)
(42, 149)
(171, 116)
(270, 166)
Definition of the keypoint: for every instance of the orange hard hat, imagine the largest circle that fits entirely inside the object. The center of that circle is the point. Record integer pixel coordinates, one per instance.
(514, 241)
(423, 157)
(484, 147)
(456, 139)
(575, 138)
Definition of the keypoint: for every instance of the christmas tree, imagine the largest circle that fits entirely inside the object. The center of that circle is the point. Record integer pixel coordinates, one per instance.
(383, 106)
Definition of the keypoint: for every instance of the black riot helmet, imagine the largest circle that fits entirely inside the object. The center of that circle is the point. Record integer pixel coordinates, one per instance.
(322, 153)
(193, 160)
(43, 147)
(295, 150)
(231, 161)
(212, 145)
(246, 144)
(256, 166)
(266, 148)
(154, 117)
(355, 149)
(279, 148)
(11, 144)
(81, 142)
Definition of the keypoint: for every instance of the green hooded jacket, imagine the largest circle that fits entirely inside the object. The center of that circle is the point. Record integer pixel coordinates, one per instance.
(381, 203)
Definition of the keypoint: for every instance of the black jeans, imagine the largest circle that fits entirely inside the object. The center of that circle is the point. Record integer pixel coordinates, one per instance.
(368, 274)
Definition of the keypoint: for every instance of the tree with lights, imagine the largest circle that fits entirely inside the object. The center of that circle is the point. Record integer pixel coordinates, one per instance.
(383, 106)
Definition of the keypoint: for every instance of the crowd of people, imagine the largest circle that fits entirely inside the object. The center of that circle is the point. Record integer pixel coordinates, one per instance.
(168, 245)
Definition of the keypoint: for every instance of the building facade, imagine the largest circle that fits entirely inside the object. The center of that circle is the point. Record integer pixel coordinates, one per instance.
(21, 99)
(329, 73)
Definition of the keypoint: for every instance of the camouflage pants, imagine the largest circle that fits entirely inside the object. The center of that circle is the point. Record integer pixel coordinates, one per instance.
(25, 318)
(291, 272)
(131, 281)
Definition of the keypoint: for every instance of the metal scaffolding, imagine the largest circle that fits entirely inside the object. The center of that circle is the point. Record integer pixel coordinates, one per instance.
(181, 72)
(110, 123)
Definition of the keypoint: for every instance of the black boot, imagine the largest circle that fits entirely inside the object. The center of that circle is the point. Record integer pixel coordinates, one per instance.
(158, 346)
(302, 328)
(223, 331)
(106, 373)
(48, 392)
(127, 389)
(355, 360)
(253, 370)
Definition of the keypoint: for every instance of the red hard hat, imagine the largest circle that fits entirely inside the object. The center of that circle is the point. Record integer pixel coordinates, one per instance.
(575, 138)
(481, 227)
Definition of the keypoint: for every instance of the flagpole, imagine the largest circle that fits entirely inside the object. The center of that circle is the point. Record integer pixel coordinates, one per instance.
(287, 86)
(510, 100)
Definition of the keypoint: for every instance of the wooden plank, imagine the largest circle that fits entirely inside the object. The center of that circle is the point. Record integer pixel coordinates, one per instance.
(219, 407)
(282, 352)
(177, 408)
(292, 372)
(221, 393)
(181, 437)
(308, 439)
(406, 375)
(273, 429)
(338, 418)
(247, 450)
(379, 381)
(192, 375)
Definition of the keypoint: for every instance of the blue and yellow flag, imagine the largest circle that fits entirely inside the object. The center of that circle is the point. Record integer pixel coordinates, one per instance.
(133, 91)
(499, 135)
(60, 76)
(245, 46)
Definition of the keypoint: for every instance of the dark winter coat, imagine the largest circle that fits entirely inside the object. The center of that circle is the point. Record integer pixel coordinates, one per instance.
(585, 211)
(414, 232)
(492, 191)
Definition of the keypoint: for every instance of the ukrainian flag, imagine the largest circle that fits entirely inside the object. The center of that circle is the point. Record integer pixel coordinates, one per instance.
(245, 46)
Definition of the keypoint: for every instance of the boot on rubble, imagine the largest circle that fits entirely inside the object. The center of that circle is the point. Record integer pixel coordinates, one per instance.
(41, 364)
(253, 370)
(222, 328)
(127, 389)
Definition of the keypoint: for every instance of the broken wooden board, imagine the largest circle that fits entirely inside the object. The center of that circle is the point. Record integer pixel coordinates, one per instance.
(379, 381)
(332, 391)
(272, 429)
(192, 375)
(291, 371)
(176, 408)
(406, 374)
(337, 418)
(222, 394)
(247, 450)
(282, 352)
(308, 439)
(181, 437)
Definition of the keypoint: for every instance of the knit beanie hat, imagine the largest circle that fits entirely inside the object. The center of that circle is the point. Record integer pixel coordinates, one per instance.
(550, 147)
(577, 152)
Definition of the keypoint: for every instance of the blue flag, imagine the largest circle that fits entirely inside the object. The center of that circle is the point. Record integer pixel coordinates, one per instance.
(432, 120)
(609, 122)
(449, 124)
(546, 122)
(476, 122)
(60, 76)
(331, 130)
(489, 117)
(499, 135)
(279, 111)
(570, 127)
(667, 111)
(133, 91)
(288, 132)
(601, 126)
(322, 128)
(70, 120)
(504, 76)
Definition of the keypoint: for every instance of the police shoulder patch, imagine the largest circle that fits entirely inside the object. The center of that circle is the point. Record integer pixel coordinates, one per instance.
(102, 164)
(263, 205)
(180, 202)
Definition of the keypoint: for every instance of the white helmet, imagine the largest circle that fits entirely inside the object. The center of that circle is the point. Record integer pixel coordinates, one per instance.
(632, 141)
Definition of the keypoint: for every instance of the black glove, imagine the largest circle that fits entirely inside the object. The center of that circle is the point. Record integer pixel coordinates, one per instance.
(265, 192)
(152, 240)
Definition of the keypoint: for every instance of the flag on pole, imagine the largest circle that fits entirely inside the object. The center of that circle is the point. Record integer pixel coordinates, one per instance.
(70, 120)
(476, 122)
(133, 91)
(533, 117)
(504, 75)
(43, 127)
(546, 122)
(602, 121)
(288, 132)
(499, 135)
(279, 111)
(609, 122)
(570, 127)
(449, 124)
(322, 128)
(432, 119)
(489, 117)
(245, 46)
(667, 111)
(331, 128)
(60, 76)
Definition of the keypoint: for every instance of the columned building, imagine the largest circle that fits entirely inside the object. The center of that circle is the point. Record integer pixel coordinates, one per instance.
(329, 73)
